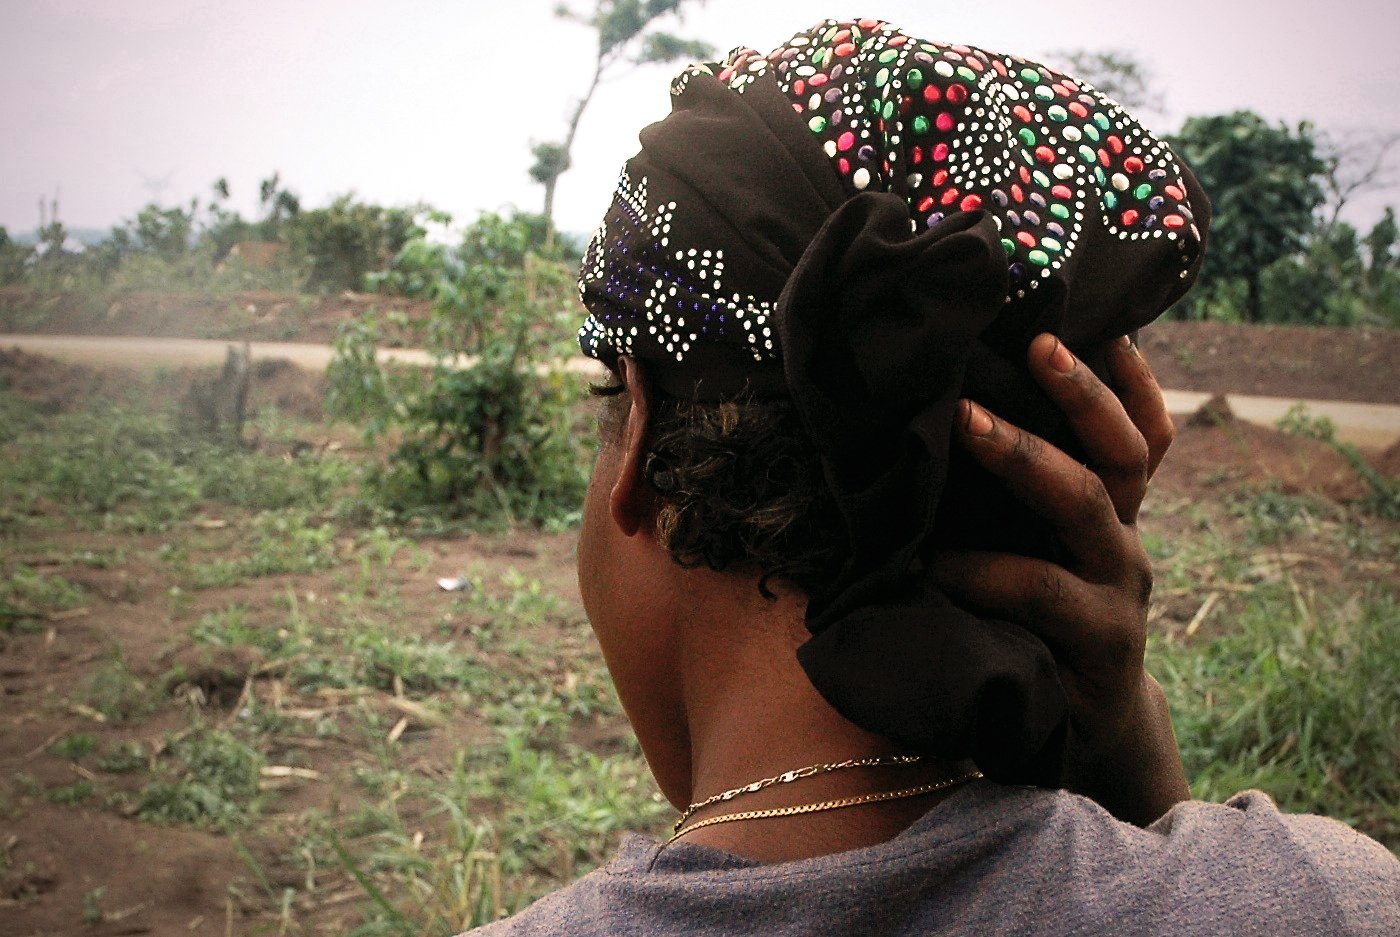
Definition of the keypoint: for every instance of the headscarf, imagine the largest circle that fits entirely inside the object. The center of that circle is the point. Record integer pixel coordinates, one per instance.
(872, 226)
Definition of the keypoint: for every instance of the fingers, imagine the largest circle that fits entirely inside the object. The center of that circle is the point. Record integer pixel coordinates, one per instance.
(1069, 496)
(1114, 446)
(1142, 399)
(1073, 616)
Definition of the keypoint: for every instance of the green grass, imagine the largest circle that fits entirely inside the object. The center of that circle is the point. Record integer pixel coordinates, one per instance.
(1298, 698)
(28, 596)
(118, 467)
(212, 779)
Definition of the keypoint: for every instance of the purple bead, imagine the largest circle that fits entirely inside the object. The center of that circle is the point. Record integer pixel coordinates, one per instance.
(1014, 218)
(866, 153)
(1001, 198)
(1055, 229)
(1032, 218)
(1038, 200)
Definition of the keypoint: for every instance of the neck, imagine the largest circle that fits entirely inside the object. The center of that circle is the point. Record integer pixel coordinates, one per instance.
(752, 713)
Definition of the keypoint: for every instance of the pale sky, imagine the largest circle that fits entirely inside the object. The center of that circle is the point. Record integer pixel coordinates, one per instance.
(112, 102)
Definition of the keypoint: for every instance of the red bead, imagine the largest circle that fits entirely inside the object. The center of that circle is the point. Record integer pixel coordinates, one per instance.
(1078, 110)
(1000, 67)
(1176, 193)
(940, 177)
(951, 196)
(926, 203)
(869, 23)
(917, 156)
(845, 165)
(957, 93)
(1115, 143)
(1018, 193)
(1104, 157)
(1062, 192)
(940, 152)
(1045, 154)
(1025, 175)
(1133, 165)
(972, 203)
(842, 36)
(1023, 112)
(1026, 238)
(817, 80)
(1130, 217)
(845, 49)
(945, 120)
(931, 94)
(799, 87)
(1174, 221)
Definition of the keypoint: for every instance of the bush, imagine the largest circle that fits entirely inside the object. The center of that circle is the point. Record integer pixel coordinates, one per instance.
(483, 433)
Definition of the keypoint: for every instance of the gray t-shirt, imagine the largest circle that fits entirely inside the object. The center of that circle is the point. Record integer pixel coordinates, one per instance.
(995, 860)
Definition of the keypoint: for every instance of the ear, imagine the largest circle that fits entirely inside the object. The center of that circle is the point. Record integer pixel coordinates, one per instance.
(630, 502)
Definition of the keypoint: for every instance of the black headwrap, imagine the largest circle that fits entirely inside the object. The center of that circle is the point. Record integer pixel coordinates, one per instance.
(874, 226)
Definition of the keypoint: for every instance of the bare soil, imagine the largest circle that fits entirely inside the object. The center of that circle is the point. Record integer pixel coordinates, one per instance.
(1361, 365)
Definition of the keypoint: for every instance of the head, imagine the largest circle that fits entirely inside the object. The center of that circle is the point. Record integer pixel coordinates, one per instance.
(810, 260)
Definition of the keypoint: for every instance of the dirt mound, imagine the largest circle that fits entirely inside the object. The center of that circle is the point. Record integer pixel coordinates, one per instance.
(1388, 462)
(1275, 361)
(1218, 450)
(56, 386)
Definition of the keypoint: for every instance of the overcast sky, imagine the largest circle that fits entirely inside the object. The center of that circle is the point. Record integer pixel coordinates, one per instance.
(114, 102)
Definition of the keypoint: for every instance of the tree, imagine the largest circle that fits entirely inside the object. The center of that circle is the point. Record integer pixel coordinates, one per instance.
(1117, 74)
(1264, 182)
(1357, 163)
(626, 39)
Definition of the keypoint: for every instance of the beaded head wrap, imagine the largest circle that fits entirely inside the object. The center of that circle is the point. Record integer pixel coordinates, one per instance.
(873, 226)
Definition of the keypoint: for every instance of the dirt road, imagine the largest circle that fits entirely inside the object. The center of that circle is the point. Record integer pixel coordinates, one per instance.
(1371, 426)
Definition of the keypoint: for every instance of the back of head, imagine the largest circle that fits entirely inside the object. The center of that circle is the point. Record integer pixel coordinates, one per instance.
(814, 256)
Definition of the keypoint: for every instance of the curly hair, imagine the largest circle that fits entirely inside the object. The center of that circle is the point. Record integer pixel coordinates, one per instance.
(739, 487)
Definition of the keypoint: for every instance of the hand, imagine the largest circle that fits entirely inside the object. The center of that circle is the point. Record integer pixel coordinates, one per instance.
(1091, 613)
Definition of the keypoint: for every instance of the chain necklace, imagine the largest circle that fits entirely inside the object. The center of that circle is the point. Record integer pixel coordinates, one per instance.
(796, 774)
(880, 797)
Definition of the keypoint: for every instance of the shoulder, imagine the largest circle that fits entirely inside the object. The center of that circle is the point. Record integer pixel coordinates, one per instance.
(1248, 845)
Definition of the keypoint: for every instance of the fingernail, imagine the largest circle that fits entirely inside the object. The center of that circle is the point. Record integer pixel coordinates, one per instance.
(979, 421)
(1060, 358)
(1127, 345)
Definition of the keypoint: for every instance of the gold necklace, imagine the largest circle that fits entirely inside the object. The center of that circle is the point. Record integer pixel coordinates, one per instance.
(828, 804)
(796, 774)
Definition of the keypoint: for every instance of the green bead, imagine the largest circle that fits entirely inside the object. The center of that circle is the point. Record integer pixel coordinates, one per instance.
(1092, 133)
(1058, 113)
(1045, 93)
(1008, 246)
(1087, 154)
(1040, 258)
(921, 124)
(881, 77)
(1059, 211)
(1031, 74)
(1143, 191)
(818, 124)
(967, 74)
(1103, 121)
(915, 78)
(888, 111)
(1100, 175)
(888, 56)
(1028, 136)
(1110, 199)
(1041, 179)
